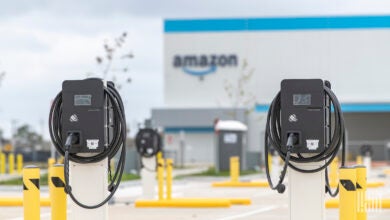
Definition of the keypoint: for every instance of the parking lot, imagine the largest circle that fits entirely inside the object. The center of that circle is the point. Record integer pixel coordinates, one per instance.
(266, 204)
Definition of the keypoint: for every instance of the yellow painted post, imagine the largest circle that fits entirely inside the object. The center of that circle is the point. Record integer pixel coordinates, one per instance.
(19, 163)
(270, 162)
(359, 160)
(361, 187)
(234, 169)
(11, 163)
(169, 178)
(2, 163)
(50, 162)
(160, 178)
(159, 156)
(31, 196)
(333, 175)
(347, 197)
(60, 160)
(57, 192)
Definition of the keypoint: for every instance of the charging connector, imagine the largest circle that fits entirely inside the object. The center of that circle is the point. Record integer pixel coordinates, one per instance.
(292, 140)
(72, 139)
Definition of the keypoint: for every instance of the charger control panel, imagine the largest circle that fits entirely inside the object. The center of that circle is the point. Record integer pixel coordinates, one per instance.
(305, 112)
(85, 112)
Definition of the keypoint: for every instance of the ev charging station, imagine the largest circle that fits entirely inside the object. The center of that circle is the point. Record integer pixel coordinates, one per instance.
(88, 127)
(300, 128)
(148, 143)
(366, 151)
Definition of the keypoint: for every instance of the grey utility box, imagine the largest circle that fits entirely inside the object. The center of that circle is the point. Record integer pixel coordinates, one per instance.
(230, 142)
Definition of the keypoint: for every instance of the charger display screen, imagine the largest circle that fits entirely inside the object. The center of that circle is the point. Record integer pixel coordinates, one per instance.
(302, 99)
(82, 100)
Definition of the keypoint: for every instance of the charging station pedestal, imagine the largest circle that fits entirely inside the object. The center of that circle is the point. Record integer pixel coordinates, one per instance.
(367, 164)
(148, 178)
(89, 184)
(275, 172)
(367, 151)
(148, 143)
(306, 193)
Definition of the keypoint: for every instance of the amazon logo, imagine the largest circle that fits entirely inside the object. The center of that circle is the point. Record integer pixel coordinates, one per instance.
(201, 65)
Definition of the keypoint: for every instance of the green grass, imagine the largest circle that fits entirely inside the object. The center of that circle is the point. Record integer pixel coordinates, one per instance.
(212, 172)
(130, 176)
(19, 181)
(16, 181)
(43, 180)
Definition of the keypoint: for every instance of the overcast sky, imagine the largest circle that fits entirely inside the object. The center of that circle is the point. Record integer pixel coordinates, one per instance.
(44, 42)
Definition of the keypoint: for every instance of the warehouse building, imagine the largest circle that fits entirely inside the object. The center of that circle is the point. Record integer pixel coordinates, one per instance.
(231, 68)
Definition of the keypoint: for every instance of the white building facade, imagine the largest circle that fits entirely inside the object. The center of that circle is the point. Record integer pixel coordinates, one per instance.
(203, 56)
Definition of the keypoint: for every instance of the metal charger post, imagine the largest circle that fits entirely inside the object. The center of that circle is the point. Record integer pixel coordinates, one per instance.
(366, 152)
(148, 143)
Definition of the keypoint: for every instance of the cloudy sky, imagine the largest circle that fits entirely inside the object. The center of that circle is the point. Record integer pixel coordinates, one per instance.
(44, 42)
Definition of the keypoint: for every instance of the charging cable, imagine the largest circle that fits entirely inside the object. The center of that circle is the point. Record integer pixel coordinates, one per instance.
(273, 139)
(117, 143)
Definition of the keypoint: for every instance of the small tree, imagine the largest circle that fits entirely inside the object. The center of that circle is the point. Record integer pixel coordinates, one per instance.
(113, 64)
(237, 92)
(26, 137)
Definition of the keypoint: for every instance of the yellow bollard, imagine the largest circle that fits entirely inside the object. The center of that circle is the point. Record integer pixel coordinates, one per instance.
(359, 160)
(2, 163)
(160, 178)
(169, 178)
(19, 163)
(234, 169)
(270, 162)
(159, 155)
(31, 196)
(333, 175)
(361, 187)
(57, 192)
(347, 195)
(60, 160)
(11, 163)
(50, 163)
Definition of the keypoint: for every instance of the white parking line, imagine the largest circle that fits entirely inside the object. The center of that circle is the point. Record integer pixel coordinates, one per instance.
(246, 214)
